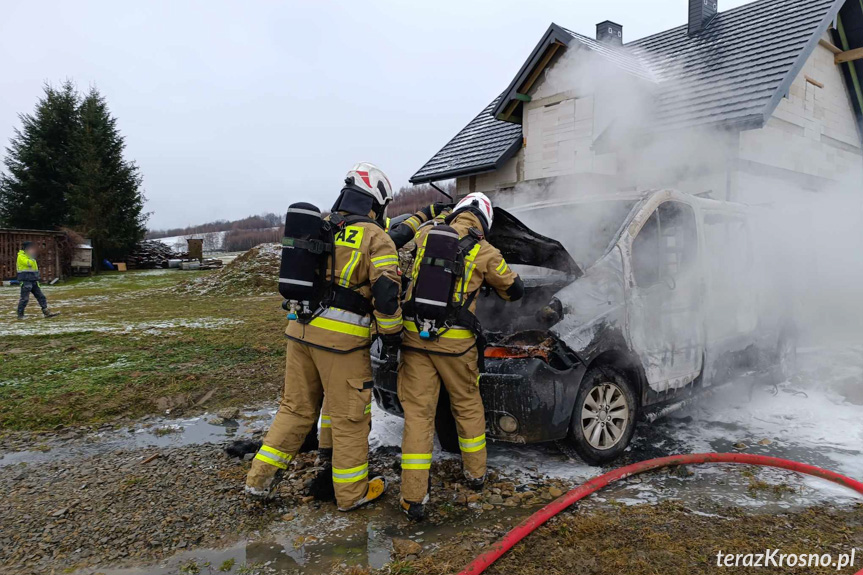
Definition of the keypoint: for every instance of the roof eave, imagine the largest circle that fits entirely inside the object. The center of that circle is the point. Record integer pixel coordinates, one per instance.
(795, 70)
(554, 34)
(472, 170)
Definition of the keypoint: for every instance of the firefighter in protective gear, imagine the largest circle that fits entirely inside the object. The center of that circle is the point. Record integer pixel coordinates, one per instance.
(401, 234)
(451, 360)
(329, 353)
(28, 277)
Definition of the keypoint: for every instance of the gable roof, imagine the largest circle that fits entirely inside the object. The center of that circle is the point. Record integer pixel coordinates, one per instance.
(481, 146)
(733, 73)
(740, 67)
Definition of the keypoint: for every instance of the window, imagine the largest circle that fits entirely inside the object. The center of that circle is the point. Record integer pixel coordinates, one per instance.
(666, 248)
(645, 253)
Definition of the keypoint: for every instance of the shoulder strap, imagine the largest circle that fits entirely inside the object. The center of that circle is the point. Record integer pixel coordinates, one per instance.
(353, 219)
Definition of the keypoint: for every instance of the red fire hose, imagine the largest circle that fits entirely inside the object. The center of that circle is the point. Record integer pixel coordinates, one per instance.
(533, 522)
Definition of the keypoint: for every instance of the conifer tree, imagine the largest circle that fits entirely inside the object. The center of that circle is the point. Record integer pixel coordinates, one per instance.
(40, 163)
(106, 202)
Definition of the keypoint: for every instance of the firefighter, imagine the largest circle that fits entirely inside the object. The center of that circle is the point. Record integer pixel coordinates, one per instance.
(328, 351)
(401, 234)
(448, 354)
(28, 277)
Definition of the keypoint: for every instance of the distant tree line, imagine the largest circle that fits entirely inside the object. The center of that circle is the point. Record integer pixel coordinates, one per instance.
(242, 240)
(409, 199)
(248, 223)
(65, 168)
(248, 232)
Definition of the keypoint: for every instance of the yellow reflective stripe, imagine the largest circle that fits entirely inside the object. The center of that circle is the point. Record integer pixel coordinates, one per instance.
(455, 333)
(341, 327)
(416, 460)
(413, 223)
(381, 261)
(469, 266)
(502, 267)
(368, 409)
(419, 257)
(273, 456)
(472, 444)
(351, 475)
(348, 270)
(326, 421)
(389, 322)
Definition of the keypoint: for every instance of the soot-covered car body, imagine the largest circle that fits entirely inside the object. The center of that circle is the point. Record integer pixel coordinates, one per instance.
(650, 298)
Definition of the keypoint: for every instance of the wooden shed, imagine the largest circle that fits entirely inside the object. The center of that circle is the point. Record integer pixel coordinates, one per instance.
(50, 248)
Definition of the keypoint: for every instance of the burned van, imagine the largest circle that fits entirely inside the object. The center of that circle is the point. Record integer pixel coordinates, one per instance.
(641, 302)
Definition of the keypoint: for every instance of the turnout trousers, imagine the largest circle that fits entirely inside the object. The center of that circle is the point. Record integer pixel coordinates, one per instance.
(346, 380)
(420, 377)
(325, 439)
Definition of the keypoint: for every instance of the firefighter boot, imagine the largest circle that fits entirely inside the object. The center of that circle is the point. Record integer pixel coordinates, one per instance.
(324, 458)
(322, 483)
(475, 483)
(377, 487)
(414, 511)
(261, 487)
(266, 472)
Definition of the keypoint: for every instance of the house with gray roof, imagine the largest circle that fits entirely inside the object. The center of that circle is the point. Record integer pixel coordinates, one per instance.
(748, 104)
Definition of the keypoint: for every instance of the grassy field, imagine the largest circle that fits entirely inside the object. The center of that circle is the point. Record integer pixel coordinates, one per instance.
(129, 344)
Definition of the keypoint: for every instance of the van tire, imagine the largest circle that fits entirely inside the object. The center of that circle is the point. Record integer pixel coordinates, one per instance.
(444, 424)
(623, 394)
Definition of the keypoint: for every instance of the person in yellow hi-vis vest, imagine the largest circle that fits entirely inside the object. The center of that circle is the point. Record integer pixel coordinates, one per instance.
(328, 351)
(451, 357)
(28, 277)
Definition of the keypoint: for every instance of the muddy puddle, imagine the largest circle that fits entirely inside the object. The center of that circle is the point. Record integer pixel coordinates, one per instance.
(149, 432)
(318, 541)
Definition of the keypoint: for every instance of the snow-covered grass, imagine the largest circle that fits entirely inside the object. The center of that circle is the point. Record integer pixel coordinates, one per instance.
(127, 344)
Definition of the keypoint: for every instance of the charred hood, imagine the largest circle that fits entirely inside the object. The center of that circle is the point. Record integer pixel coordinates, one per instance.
(521, 245)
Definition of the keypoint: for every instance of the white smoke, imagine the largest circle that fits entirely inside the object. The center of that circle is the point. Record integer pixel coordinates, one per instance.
(807, 247)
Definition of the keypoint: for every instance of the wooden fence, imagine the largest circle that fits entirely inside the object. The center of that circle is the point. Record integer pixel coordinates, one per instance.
(50, 248)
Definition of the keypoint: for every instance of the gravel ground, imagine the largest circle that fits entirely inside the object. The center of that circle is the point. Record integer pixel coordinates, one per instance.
(118, 509)
(137, 507)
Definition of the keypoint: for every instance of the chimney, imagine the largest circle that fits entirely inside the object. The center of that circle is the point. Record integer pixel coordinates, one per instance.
(701, 12)
(609, 33)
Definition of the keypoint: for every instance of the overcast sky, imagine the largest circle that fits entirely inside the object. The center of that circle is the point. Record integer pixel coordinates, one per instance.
(233, 108)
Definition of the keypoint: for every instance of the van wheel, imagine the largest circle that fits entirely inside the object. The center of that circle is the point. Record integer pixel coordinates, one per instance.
(603, 419)
(444, 424)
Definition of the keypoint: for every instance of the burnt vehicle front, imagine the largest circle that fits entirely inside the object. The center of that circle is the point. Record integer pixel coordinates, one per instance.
(531, 378)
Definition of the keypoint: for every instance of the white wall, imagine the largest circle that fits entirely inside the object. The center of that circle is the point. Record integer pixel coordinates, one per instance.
(810, 142)
(813, 133)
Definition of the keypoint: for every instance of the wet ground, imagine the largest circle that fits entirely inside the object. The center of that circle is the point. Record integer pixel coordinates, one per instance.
(816, 417)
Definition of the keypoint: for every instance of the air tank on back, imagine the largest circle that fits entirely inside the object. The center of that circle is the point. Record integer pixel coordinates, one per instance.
(303, 247)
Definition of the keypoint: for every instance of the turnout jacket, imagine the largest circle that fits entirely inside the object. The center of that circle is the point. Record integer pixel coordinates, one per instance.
(484, 264)
(366, 261)
(28, 269)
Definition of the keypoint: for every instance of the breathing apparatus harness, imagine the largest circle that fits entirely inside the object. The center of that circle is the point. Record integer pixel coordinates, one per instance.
(435, 306)
(308, 243)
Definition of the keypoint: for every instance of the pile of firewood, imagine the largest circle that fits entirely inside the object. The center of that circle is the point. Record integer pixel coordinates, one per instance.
(152, 254)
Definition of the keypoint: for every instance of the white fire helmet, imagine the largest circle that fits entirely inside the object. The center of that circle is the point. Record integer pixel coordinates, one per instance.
(481, 206)
(370, 179)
